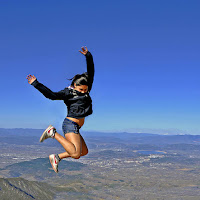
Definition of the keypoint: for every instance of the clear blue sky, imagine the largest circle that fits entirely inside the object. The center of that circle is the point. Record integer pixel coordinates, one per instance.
(146, 54)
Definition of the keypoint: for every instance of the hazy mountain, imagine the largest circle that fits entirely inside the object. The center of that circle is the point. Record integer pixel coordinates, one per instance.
(20, 189)
(40, 167)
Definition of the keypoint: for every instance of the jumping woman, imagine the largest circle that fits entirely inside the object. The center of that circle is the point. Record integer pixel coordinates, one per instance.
(79, 105)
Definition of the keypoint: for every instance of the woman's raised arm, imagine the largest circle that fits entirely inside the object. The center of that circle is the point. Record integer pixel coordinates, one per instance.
(90, 66)
(45, 90)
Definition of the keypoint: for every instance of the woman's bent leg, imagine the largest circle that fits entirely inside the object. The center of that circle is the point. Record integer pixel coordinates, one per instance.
(84, 149)
(72, 144)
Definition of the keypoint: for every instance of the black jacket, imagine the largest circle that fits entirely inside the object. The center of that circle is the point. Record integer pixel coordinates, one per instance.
(78, 104)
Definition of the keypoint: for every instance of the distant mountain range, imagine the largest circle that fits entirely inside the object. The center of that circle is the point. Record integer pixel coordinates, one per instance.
(31, 136)
(159, 131)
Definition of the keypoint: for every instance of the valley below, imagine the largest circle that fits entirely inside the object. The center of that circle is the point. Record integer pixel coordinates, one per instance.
(118, 166)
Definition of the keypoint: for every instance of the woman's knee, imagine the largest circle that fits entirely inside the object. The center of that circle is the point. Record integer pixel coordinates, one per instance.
(76, 155)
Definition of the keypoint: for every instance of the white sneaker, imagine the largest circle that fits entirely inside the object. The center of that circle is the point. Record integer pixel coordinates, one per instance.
(54, 162)
(49, 132)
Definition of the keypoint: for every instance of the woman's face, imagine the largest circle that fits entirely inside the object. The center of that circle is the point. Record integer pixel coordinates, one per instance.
(81, 88)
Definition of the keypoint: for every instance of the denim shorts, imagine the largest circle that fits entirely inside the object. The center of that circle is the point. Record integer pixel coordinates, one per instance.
(69, 126)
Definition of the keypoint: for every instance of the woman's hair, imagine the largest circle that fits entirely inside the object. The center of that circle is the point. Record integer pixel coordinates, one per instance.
(79, 79)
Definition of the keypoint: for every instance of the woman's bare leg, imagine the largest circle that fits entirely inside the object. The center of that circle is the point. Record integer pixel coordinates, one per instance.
(72, 144)
(84, 147)
(71, 139)
(67, 145)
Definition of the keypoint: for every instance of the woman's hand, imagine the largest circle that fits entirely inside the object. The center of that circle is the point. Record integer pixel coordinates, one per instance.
(84, 50)
(31, 78)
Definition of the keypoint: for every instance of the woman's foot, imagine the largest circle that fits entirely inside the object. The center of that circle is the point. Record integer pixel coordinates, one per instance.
(54, 162)
(49, 132)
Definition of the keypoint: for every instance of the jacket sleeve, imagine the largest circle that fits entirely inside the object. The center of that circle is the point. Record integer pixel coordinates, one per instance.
(90, 69)
(47, 92)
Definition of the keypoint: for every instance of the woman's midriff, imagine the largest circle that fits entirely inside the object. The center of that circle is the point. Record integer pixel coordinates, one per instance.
(80, 122)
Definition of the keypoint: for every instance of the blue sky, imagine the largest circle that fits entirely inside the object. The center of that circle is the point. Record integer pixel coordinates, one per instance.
(146, 56)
